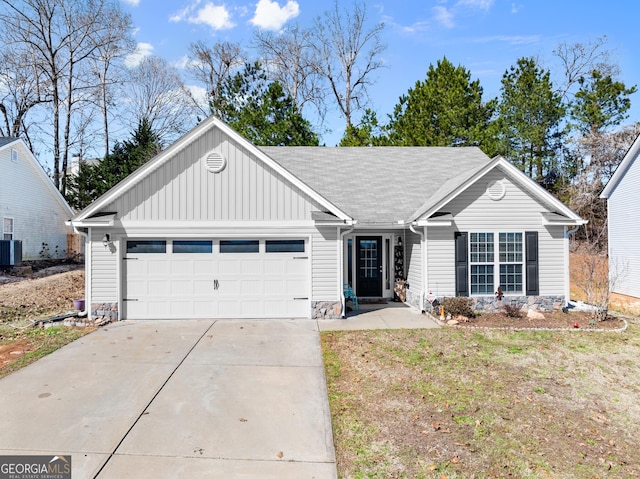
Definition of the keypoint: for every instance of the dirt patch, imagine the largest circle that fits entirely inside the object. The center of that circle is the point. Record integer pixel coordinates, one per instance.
(39, 297)
(24, 301)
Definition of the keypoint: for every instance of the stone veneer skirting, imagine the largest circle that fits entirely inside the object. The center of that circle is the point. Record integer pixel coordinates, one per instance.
(540, 303)
(414, 299)
(326, 310)
(104, 312)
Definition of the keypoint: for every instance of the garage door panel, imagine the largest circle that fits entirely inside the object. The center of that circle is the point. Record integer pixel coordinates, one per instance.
(251, 266)
(216, 285)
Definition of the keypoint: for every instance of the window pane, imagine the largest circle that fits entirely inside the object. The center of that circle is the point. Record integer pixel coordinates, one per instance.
(285, 246)
(146, 246)
(510, 248)
(481, 247)
(192, 246)
(239, 246)
(511, 278)
(482, 279)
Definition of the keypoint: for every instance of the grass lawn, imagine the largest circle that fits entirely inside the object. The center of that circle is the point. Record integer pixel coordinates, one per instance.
(455, 403)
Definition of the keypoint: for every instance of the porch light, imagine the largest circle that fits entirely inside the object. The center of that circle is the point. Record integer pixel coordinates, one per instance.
(106, 240)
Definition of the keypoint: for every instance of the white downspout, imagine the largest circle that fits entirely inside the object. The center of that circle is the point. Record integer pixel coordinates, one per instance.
(567, 276)
(341, 267)
(423, 269)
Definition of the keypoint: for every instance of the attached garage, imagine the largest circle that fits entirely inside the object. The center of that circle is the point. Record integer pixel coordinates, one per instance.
(216, 278)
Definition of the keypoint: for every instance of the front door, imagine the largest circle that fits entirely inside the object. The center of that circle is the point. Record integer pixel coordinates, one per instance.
(369, 266)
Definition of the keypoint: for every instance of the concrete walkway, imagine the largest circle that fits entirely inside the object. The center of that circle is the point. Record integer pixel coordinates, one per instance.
(186, 398)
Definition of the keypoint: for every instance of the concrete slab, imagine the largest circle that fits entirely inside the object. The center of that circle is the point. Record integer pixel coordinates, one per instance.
(140, 467)
(210, 398)
(385, 316)
(266, 343)
(256, 413)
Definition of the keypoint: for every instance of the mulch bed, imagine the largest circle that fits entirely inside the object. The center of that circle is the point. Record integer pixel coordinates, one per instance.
(552, 320)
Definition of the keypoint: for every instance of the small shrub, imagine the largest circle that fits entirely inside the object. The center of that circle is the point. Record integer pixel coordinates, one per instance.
(512, 311)
(459, 306)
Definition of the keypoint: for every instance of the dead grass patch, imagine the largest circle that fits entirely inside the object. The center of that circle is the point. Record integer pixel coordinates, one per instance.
(460, 403)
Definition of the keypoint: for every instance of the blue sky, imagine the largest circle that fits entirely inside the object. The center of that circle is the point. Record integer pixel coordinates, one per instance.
(484, 36)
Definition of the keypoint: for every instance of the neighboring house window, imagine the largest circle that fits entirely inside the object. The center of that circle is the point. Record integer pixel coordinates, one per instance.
(7, 228)
(480, 270)
(14, 155)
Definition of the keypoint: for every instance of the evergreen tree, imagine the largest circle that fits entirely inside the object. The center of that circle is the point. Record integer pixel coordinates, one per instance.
(92, 181)
(446, 109)
(530, 121)
(262, 112)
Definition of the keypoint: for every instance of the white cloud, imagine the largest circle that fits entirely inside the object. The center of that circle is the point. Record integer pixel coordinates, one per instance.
(511, 39)
(270, 16)
(443, 16)
(516, 7)
(215, 16)
(133, 3)
(142, 50)
(481, 4)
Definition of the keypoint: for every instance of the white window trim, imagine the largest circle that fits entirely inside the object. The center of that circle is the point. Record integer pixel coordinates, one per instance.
(496, 262)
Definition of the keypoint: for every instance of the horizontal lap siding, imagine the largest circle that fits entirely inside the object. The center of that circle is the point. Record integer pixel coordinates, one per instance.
(441, 261)
(104, 270)
(183, 190)
(624, 230)
(38, 216)
(473, 210)
(414, 261)
(325, 265)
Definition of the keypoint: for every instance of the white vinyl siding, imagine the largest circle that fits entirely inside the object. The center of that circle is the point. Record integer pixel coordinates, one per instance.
(624, 231)
(28, 196)
(182, 189)
(104, 269)
(413, 256)
(474, 210)
(324, 250)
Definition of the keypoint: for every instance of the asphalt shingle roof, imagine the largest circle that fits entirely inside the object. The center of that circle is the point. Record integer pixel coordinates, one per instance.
(5, 140)
(380, 184)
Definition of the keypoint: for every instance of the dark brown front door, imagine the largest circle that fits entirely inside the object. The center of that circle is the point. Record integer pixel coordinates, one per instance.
(369, 266)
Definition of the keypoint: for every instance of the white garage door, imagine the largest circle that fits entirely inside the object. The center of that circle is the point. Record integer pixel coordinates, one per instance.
(167, 279)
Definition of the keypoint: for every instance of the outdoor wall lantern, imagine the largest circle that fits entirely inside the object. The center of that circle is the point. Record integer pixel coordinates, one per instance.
(106, 240)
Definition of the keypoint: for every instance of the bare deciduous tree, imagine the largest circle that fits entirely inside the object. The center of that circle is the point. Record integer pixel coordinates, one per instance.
(156, 92)
(604, 152)
(58, 37)
(211, 66)
(578, 60)
(290, 59)
(348, 55)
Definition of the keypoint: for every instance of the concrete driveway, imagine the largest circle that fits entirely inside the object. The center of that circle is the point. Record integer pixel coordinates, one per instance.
(177, 399)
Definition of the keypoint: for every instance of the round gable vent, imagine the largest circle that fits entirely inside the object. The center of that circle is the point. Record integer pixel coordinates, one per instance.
(216, 162)
(496, 190)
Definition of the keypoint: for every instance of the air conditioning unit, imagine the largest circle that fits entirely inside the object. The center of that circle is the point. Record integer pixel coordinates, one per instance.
(10, 252)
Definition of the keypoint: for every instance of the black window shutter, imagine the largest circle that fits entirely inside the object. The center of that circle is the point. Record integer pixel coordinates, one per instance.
(462, 264)
(531, 248)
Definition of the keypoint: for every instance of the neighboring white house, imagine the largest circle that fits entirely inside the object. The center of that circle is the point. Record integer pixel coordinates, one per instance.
(32, 210)
(215, 227)
(623, 210)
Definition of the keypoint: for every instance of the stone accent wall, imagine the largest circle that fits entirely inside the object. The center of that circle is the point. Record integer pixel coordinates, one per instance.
(414, 299)
(104, 312)
(326, 310)
(540, 303)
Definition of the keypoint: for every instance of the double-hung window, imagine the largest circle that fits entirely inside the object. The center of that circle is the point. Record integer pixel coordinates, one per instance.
(486, 258)
(511, 258)
(482, 261)
(7, 228)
